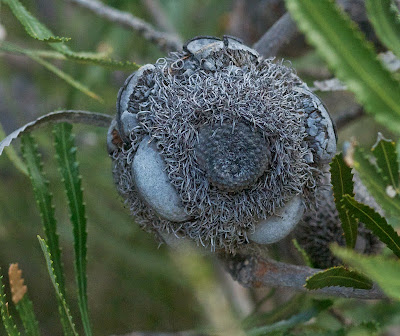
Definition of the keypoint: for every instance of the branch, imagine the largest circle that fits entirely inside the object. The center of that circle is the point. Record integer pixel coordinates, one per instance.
(252, 271)
(391, 62)
(158, 14)
(167, 42)
(276, 37)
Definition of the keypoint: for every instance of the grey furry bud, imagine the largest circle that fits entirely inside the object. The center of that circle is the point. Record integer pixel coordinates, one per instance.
(239, 137)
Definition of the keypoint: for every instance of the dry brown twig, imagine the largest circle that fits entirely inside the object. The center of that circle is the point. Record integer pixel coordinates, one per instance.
(253, 271)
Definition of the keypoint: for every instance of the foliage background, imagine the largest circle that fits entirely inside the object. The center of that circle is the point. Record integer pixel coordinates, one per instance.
(132, 283)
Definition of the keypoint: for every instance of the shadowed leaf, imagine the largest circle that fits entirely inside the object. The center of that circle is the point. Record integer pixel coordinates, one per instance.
(375, 222)
(335, 35)
(338, 276)
(342, 184)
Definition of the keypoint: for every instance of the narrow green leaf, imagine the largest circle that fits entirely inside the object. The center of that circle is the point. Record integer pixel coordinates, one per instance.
(69, 168)
(353, 60)
(32, 26)
(303, 253)
(44, 201)
(375, 222)
(376, 185)
(342, 184)
(385, 272)
(28, 317)
(90, 58)
(386, 159)
(385, 20)
(71, 81)
(10, 47)
(8, 320)
(68, 324)
(303, 317)
(13, 156)
(338, 276)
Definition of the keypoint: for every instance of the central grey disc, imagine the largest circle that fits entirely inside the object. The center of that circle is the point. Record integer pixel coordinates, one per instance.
(233, 157)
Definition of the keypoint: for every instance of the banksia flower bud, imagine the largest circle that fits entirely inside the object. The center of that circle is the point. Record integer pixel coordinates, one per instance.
(217, 144)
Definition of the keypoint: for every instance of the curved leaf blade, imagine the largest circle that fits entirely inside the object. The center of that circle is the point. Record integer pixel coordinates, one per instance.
(385, 20)
(375, 222)
(32, 25)
(347, 52)
(385, 272)
(338, 276)
(71, 116)
(69, 169)
(342, 184)
(13, 156)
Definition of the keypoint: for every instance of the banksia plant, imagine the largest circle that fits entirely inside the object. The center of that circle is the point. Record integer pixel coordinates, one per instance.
(217, 144)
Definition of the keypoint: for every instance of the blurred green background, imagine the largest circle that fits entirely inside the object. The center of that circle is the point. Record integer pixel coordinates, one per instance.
(133, 284)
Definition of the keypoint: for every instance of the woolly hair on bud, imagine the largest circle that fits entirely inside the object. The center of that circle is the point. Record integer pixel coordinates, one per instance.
(176, 99)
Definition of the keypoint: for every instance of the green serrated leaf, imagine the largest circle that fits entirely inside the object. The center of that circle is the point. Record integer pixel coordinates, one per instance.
(43, 198)
(8, 320)
(342, 184)
(385, 20)
(28, 317)
(353, 60)
(32, 26)
(338, 276)
(375, 222)
(376, 185)
(68, 324)
(386, 159)
(69, 168)
(89, 58)
(385, 272)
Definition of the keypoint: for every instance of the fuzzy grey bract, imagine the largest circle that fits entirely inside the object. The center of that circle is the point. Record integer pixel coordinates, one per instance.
(184, 93)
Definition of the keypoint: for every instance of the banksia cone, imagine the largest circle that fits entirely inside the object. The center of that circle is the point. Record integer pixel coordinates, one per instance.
(217, 144)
